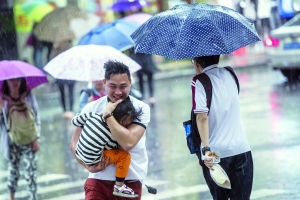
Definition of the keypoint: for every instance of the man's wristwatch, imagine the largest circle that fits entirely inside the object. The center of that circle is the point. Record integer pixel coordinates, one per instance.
(204, 149)
(107, 116)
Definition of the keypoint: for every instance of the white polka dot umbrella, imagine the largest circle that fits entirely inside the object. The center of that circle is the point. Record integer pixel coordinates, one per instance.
(191, 30)
(85, 62)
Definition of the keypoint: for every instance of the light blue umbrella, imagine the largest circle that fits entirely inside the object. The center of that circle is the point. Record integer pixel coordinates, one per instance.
(191, 30)
(115, 34)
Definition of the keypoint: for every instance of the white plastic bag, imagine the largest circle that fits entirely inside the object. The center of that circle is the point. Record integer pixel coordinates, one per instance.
(220, 177)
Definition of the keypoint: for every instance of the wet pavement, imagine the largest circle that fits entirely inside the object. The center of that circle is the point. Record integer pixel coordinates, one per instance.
(270, 114)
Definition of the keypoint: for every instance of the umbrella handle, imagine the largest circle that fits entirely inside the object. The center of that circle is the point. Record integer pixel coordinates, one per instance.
(5, 118)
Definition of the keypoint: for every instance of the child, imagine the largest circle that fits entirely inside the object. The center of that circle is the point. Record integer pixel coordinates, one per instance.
(96, 141)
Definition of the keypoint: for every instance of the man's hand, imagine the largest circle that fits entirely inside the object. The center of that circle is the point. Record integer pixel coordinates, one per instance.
(110, 107)
(208, 160)
(99, 166)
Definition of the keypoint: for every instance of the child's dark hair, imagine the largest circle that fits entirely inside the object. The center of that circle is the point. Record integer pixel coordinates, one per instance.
(125, 110)
(115, 67)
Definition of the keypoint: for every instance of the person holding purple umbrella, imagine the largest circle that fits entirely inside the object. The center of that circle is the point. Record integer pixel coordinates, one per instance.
(15, 92)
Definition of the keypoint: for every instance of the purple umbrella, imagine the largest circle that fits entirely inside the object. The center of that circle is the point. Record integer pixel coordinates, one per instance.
(10, 69)
(126, 5)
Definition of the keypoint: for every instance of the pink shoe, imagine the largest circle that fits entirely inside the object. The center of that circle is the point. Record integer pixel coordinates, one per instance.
(124, 191)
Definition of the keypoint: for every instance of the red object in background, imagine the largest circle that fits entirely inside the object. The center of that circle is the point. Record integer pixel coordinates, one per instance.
(271, 42)
(239, 52)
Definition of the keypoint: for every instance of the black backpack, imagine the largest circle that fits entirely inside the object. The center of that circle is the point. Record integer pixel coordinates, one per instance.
(193, 139)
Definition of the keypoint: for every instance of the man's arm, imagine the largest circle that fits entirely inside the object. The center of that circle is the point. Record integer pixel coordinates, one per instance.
(202, 124)
(126, 137)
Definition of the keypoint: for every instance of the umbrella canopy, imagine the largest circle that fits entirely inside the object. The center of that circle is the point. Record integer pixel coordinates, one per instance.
(138, 18)
(10, 69)
(65, 23)
(126, 5)
(37, 10)
(85, 62)
(115, 34)
(191, 30)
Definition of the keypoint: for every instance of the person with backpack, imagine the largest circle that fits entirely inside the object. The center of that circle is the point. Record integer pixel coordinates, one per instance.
(220, 128)
(20, 125)
(91, 94)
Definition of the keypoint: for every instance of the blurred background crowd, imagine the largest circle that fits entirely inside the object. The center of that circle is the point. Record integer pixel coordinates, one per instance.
(36, 31)
(17, 21)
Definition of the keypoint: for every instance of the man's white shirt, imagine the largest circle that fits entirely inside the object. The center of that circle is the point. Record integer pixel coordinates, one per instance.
(139, 158)
(226, 133)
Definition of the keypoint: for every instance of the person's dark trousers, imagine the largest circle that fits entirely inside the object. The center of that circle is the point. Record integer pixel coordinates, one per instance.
(239, 169)
(49, 46)
(38, 54)
(61, 86)
(150, 82)
(38, 50)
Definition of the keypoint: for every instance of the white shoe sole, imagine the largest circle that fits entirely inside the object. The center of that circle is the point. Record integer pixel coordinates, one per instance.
(125, 195)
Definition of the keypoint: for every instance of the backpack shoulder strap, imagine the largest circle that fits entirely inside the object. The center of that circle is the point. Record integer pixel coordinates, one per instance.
(206, 82)
(234, 76)
(89, 91)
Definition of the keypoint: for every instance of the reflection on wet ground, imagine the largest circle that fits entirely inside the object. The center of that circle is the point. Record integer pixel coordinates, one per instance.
(270, 114)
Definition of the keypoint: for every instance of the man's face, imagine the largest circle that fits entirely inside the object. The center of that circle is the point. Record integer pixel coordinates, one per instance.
(117, 87)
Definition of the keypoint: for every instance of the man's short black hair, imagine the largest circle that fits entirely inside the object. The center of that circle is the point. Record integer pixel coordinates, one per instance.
(115, 67)
(124, 110)
(206, 61)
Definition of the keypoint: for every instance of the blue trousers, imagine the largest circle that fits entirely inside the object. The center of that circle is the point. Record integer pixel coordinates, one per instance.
(239, 169)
